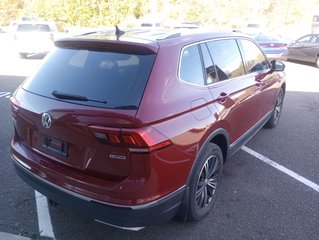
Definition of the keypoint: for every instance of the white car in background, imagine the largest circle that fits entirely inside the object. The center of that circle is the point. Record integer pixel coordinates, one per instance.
(34, 38)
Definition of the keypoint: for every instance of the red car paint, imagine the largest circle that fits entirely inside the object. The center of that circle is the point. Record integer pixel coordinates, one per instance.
(130, 157)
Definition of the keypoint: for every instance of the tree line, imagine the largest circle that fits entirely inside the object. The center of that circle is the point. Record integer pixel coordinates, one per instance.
(96, 13)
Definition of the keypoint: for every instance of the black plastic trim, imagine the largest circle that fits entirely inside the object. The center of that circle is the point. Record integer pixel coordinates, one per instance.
(234, 147)
(156, 212)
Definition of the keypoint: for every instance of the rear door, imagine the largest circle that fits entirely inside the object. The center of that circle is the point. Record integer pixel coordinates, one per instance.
(312, 51)
(233, 90)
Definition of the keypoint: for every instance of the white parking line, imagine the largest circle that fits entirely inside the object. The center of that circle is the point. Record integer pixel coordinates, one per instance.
(5, 94)
(44, 219)
(282, 169)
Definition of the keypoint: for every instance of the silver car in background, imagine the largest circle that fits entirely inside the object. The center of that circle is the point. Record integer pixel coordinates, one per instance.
(34, 38)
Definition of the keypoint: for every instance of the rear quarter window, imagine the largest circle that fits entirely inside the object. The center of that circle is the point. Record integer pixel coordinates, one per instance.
(117, 78)
(191, 69)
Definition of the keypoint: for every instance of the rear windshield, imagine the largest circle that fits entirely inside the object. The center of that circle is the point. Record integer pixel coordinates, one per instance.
(104, 79)
(33, 28)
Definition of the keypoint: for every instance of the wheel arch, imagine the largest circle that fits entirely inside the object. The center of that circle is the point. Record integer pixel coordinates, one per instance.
(284, 86)
(219, 137)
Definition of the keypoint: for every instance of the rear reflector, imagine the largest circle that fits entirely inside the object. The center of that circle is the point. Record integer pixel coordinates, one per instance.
(143, 140)
(273, 45)
(14, 107)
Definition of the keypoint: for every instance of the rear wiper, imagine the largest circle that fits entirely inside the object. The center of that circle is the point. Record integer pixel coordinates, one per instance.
(68, 96)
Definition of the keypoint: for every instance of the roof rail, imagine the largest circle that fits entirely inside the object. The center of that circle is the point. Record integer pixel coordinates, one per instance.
(168, 36)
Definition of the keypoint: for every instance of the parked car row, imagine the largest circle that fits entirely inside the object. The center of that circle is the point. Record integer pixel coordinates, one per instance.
(273, 46)
(305, 49)
(36, 38)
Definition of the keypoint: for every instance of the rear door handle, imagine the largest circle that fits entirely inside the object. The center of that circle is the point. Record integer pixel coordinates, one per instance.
(259, 79)
(258, 83)
(222, 97)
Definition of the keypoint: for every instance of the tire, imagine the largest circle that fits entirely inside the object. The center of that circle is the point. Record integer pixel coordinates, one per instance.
(317, 62)
(205, 182)
(274, 119)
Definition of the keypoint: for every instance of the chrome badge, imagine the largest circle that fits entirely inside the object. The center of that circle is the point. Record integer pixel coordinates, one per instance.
(46, 120)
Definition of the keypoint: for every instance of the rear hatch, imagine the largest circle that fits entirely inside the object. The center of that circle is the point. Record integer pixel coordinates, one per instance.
(74, 109)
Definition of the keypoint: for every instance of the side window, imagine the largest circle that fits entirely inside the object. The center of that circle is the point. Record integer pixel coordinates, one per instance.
(227, 59)
(315, 39)
(191, 69)
(211, 74)
(254, 58)
(305, 39)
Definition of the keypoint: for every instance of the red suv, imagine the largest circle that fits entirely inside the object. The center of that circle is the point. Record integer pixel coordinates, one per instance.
(133, 128)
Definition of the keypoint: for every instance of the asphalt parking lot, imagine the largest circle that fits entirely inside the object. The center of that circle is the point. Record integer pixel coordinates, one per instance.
(270, 189)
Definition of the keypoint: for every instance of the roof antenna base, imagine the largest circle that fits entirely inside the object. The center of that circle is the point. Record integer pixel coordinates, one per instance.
(118, 32)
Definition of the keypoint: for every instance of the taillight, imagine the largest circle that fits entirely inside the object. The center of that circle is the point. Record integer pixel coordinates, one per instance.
(273, 45)
(143, 140)
(14, 107)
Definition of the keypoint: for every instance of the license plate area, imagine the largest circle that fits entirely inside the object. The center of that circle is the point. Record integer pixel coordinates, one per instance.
(56, 146)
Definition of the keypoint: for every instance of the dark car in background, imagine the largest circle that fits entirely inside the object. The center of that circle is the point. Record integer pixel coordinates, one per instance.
(273, 46)
(133, 128)
(305, 49)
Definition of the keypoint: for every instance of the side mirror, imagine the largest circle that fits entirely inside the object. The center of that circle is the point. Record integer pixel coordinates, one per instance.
(277, 66)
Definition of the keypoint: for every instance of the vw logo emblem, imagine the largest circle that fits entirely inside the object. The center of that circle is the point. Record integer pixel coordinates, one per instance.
(46, 120)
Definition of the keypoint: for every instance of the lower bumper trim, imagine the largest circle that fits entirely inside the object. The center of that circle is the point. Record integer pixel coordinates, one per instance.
(131, 217)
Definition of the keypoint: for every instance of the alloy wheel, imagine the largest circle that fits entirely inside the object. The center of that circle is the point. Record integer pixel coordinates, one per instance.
(207, 182)
(278, 106)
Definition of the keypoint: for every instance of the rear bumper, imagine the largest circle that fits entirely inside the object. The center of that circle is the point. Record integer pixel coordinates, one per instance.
(126, 217)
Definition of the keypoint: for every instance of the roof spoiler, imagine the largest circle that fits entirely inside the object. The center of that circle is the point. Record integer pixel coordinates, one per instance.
(108, 45)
